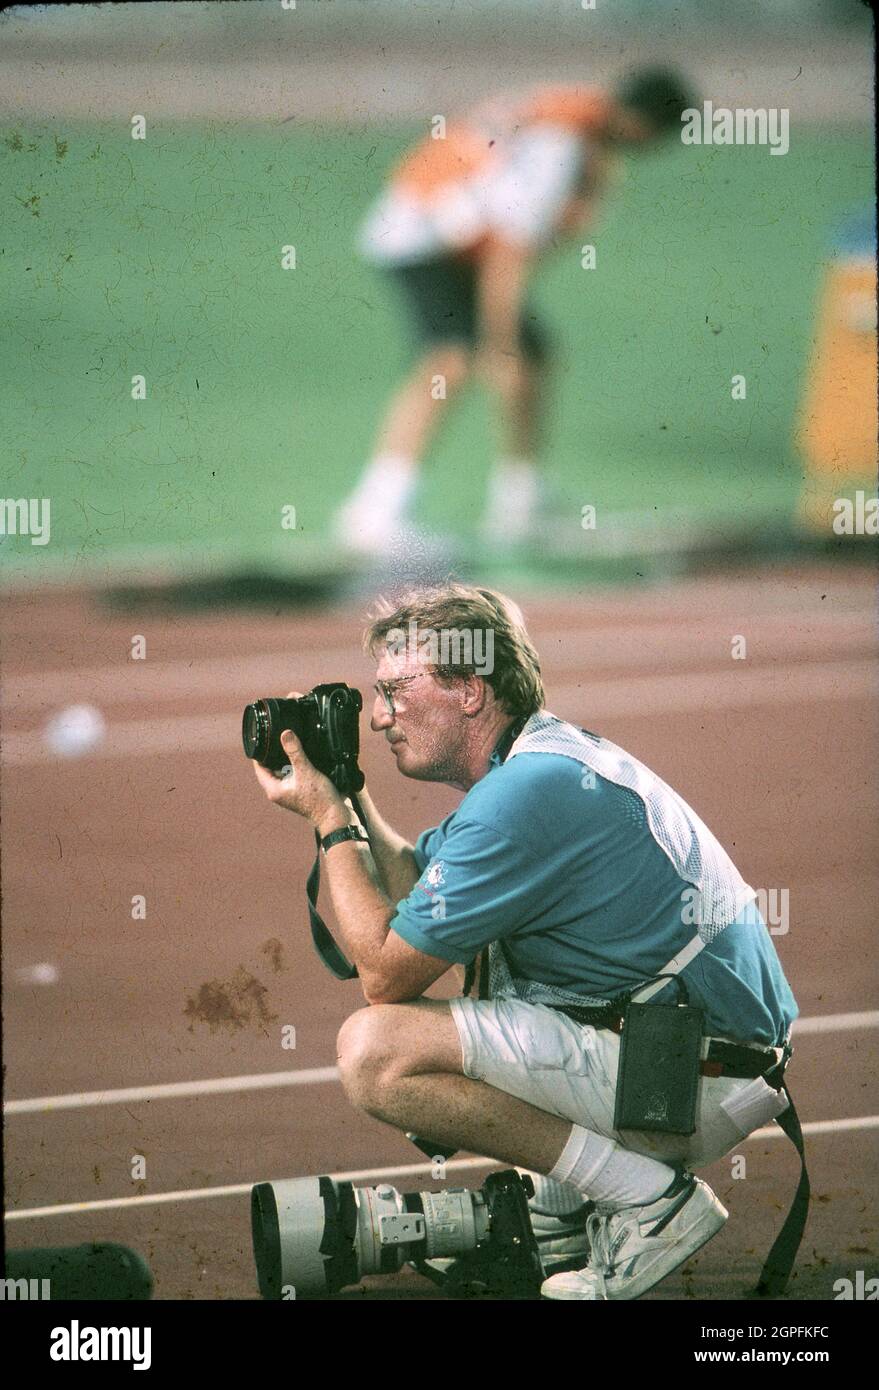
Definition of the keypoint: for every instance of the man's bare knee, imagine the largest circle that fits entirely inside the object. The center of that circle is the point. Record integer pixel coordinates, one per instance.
(449, 365)
(363, 1052)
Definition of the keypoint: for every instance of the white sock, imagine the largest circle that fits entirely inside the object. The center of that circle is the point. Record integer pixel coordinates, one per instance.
(606, 1172)
(513, 490)
(387, 484)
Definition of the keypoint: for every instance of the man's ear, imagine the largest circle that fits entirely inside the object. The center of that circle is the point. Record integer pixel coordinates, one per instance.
(475, 695)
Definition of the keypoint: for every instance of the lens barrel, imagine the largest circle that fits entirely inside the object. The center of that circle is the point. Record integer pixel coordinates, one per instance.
(326, 723)
(255, 727)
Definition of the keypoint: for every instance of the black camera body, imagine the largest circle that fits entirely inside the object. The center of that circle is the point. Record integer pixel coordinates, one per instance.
(326, 722)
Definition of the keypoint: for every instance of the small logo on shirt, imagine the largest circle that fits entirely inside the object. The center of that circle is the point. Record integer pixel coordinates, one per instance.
(434, 878)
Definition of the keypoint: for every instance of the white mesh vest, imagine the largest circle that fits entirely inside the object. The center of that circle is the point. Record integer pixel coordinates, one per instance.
(698, 858)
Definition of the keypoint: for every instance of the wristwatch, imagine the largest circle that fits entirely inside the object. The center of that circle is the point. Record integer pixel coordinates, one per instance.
(348, 832)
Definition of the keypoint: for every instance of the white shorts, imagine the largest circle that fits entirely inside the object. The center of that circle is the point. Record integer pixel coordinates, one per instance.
(570, 1069)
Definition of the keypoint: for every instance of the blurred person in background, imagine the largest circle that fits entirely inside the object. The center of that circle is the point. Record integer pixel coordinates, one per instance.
(460, 228)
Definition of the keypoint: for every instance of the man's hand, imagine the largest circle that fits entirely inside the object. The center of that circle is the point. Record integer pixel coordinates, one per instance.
(303, 789)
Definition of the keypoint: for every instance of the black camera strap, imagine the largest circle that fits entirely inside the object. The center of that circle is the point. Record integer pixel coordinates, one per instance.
(780, 1260)
(333, 958)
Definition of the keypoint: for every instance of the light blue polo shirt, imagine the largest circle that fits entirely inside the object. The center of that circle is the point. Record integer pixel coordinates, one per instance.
(583, 897)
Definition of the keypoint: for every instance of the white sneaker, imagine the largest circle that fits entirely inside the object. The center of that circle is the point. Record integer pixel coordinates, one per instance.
(374, 516)
(365, 526)
(633, 1248)
(530, 518)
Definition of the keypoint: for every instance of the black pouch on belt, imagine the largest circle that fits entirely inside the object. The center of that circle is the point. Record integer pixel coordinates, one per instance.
(658, 1077)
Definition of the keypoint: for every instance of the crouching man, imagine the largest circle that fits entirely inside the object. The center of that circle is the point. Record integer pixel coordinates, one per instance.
(571, 871)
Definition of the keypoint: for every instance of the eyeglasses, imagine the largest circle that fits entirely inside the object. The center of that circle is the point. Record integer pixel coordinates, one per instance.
(388, 689)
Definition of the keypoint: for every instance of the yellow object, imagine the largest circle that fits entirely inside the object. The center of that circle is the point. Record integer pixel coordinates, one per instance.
(837, 428)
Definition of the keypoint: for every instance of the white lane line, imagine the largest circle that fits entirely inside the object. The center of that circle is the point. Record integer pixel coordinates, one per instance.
(835, 1023)
(173, 1090)
(238, 1189)
(776, 636)
(586, 701)
(816, 1127)
(313, 1076)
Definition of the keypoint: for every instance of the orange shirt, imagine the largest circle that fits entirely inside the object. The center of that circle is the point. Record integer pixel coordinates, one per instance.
(471, 145)
(511, 169)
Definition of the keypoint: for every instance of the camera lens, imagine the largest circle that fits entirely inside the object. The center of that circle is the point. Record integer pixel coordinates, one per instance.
(255, 730)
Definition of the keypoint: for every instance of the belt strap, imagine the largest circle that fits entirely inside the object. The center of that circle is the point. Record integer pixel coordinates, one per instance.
(736, 1060)
(594, 1017)
(741, 1062)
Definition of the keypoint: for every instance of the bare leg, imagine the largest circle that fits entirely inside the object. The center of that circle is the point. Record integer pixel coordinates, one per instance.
(402, 1064)
(372, 515)
(417, 407)
(514, 487)
(520, 394)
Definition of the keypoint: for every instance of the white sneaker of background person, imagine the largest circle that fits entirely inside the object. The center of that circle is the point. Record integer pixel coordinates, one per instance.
(375, 514)
(633, 1248)
(517, 498)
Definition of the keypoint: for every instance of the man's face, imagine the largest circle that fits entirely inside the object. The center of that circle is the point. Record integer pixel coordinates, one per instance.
(425, 731)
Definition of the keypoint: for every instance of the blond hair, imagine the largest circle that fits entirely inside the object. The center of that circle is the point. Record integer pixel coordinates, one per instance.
(451, 607)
